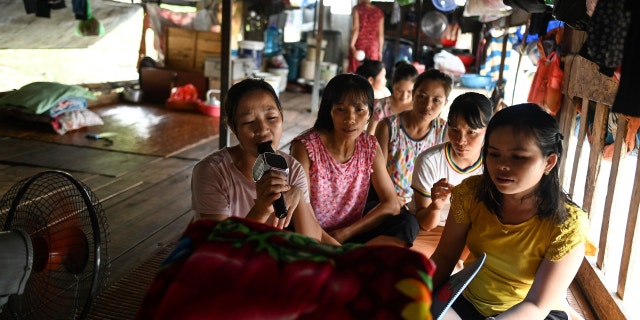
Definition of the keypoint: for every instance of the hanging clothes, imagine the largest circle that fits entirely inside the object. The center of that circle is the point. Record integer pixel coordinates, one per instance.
(606, 35)
(42, 8)
(628, 89)
(80, 9)
(493, 54)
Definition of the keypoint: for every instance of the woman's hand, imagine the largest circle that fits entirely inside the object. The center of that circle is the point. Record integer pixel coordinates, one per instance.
(292, 199)
(440, 193)
(341, 235)
(269, 188)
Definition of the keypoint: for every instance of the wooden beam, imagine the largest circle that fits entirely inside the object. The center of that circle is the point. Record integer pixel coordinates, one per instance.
(585, 80)
(584, 115)
(225, 65)
(604, 304)
(620, 149)
(598, 132)
(629, 252)
(567, 121)
(315, 91)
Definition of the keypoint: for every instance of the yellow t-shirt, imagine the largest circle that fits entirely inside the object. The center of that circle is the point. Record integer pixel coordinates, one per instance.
(514, 252)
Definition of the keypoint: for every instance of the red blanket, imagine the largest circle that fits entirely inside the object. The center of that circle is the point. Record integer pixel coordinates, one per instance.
(238, 269)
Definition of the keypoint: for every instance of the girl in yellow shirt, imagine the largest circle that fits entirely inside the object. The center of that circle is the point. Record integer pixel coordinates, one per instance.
(517, 213)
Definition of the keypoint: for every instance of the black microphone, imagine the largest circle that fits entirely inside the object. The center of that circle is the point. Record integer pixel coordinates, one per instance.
(269, 160)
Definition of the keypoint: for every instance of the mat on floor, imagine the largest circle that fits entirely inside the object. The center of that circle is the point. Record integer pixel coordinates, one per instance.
(141, 129)
(123, 298)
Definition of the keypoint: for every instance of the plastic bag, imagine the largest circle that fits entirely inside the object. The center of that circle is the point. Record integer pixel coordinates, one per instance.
(546, 87)
(448, 63)
(486, 10)
(184, 98)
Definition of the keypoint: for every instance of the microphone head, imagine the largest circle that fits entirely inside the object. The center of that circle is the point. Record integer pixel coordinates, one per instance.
(265, 147)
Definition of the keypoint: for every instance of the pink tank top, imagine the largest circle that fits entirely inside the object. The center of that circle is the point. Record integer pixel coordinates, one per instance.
(338, 191)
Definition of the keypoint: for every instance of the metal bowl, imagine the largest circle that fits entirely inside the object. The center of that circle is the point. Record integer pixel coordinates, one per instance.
(132, 94)
(433, 24)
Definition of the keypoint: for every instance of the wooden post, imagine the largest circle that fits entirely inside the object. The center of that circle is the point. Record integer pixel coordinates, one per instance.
(595, 156)
(620, 149)
(315, 91)
(584, 115)
(225, 62)
(629, 252)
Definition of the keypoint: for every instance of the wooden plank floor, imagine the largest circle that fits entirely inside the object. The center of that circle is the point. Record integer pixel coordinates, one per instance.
(146, 198)
(148, 203)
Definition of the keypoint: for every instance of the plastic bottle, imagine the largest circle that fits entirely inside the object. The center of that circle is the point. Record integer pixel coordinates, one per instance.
(273, 40)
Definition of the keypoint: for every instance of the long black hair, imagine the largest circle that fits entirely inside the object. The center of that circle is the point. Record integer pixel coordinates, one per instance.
(343, 88)
(529, 120)
(475, 108)
(238, 91)
(434, 75)
(404, 71)
(370, 68)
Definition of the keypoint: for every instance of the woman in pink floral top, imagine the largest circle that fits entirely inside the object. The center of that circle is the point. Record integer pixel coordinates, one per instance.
(341, 161)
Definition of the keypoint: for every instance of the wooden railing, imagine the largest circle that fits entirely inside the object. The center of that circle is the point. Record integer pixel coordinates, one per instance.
(609, 191)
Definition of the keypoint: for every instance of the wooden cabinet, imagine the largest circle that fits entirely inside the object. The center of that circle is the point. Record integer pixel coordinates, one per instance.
(188, 49)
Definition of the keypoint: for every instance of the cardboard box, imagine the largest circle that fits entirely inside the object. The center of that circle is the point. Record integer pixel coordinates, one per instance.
(240, 67)
(187, 49)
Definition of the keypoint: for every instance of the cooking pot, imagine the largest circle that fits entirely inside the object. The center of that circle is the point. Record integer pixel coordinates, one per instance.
(433, 24)
(132, 94)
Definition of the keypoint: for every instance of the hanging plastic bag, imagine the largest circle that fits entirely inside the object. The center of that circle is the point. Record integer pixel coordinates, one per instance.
(486, 10)
(546, 87)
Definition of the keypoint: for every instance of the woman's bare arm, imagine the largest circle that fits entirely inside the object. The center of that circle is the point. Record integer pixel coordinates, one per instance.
(382, 134)
(549, 287)
(389, 203)
(450, 247)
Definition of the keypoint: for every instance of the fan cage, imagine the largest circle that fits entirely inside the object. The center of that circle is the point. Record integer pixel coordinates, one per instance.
(62, 213)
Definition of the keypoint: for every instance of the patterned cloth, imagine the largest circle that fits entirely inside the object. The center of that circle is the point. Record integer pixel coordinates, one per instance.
(338, 190)
(607, 31)
(629, 86)
(240, 269)
(382, 104)
(403, 151)
(368, 39)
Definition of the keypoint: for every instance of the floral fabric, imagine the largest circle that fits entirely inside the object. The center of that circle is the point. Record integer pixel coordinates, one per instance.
(338, 190)
(240, 269)
(403, 151)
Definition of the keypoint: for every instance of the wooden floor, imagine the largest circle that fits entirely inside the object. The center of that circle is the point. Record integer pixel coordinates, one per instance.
(147, 198)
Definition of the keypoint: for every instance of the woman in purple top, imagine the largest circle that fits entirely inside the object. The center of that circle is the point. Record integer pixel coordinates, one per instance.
(341, 160)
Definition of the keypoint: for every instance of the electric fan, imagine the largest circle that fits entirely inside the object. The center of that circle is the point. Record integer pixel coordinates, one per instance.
(53, 248)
